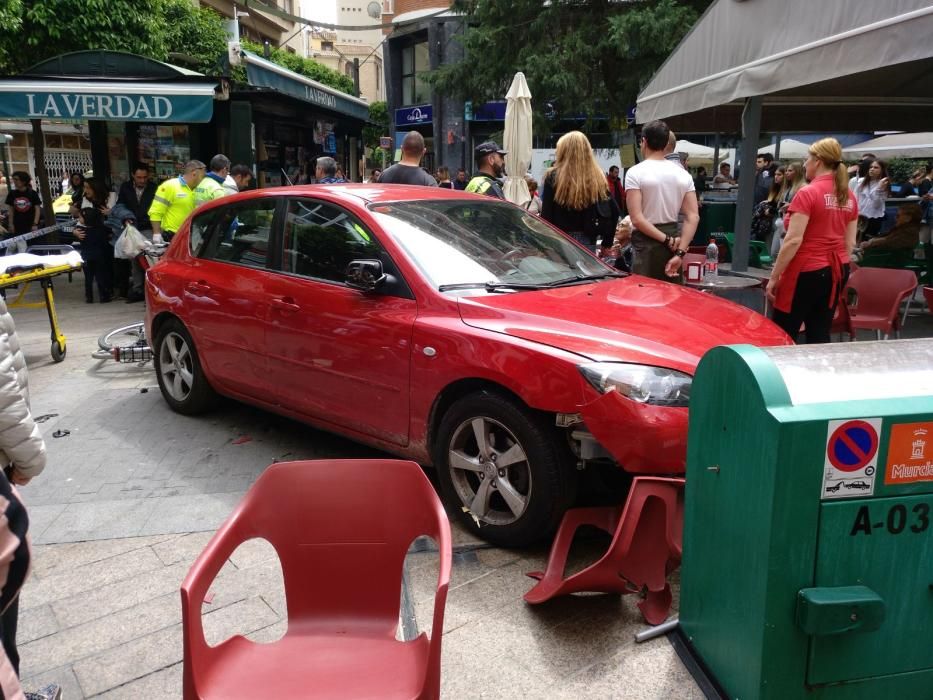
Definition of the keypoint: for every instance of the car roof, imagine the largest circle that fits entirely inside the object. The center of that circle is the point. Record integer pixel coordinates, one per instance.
(368, 193)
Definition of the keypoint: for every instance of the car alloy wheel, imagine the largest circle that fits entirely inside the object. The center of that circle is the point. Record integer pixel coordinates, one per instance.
(490, 472)
(181, 379)
(176, 366)
(504, 471)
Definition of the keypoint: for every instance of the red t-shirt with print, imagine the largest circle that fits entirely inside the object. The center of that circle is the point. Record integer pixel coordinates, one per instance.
(825, 234)
(824, 238)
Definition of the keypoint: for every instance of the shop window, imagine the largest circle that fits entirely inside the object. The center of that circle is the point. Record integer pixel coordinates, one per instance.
(239, 234)
(320, 241)
(415, 62)
(165, 147)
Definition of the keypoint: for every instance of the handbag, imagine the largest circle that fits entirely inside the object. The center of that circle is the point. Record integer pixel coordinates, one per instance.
(130, 243)
(600, 222)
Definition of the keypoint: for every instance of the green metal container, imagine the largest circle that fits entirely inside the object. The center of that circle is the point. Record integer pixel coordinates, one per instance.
(808, 532)
(716, 216)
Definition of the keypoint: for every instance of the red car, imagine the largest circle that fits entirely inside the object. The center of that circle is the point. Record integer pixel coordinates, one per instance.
(455, 330)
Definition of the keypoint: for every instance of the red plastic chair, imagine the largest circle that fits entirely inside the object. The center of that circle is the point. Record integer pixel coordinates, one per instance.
(646, 547)
(842, 321)
(341, 529)
(928, 297)
(880, 293)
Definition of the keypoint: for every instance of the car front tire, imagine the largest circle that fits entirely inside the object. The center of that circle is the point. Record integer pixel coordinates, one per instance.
(178, 368)
(503, 470)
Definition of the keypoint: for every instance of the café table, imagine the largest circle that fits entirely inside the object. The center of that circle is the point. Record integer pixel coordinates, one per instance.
(727, 286)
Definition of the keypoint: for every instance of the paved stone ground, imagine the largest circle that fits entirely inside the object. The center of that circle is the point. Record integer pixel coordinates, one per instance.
(134, 491)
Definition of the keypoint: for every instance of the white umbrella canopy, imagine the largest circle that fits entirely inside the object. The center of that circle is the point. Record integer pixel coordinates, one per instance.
(701, 155)
(517, 140)
(791, 149)
(695, 150)
(917, 145)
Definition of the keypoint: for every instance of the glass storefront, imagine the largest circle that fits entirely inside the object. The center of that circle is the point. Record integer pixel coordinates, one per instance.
(165, 147)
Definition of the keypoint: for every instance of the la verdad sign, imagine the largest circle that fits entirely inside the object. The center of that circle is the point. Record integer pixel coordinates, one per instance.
(106, 105)
(84, 106)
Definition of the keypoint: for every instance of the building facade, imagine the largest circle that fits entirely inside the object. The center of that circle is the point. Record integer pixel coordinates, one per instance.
(423, 39)
(327, 48)
(259, 26)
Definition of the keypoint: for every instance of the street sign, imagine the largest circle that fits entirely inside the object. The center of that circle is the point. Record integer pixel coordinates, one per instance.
(851, 451)
(385, 142)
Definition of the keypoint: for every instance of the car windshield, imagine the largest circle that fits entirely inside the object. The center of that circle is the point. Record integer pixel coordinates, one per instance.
(463, 244)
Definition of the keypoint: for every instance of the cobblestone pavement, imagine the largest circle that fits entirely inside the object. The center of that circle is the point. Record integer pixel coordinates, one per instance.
(133, 492)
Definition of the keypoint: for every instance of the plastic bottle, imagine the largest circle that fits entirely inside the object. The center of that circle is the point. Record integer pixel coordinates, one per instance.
(712, 259)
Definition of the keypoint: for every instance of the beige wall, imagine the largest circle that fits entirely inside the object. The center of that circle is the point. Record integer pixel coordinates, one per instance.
(340, 58)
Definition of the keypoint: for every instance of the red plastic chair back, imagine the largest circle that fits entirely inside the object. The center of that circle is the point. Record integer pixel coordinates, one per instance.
(880, 294)
(341, 530)
(928, 296)
(842, 321)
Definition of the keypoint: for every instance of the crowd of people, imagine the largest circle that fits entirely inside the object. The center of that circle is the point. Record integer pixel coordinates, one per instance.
(101, 214)
(644, 222)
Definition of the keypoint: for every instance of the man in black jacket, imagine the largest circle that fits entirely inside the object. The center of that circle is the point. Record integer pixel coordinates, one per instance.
(136, 195)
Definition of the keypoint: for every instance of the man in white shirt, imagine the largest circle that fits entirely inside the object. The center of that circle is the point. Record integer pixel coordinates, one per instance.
(657, 191)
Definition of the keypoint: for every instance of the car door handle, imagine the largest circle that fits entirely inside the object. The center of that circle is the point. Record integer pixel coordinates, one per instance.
(286, 304)
(199, 287)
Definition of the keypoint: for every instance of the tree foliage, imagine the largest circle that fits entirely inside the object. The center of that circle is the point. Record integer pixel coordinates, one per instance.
(197, 32)
(378, 125)
(11, 24)
(34, 30)
(581, 56)
(53, 27)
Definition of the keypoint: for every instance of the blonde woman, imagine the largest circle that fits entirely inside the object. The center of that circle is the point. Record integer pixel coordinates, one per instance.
(575, 197)
(793, 180)
(813, 265)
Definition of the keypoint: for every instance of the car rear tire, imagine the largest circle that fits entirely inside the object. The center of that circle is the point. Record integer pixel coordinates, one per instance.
(503, 470)
(178, 368)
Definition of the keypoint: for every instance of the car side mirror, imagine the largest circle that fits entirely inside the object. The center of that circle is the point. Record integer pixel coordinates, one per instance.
(365, 275)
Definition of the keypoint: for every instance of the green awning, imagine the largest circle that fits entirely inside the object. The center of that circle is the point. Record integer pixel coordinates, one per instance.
(266, 74)
(164, 102)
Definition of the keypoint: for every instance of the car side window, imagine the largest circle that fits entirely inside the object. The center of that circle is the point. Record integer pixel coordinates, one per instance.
(320, 241)
(241, 233)
(201, 230)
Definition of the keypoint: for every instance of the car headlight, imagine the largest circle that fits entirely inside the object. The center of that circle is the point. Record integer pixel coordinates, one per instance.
(657, 386)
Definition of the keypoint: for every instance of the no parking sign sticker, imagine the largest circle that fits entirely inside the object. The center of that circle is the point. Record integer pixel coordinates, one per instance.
(851, 458)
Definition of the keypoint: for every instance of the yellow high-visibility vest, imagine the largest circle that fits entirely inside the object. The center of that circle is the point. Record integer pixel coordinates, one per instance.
(172, 204)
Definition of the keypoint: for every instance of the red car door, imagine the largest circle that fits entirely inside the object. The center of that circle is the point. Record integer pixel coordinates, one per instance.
(337, 354)
(226, 305)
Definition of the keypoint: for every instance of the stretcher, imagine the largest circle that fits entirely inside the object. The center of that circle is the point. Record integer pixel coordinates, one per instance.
(21, 269)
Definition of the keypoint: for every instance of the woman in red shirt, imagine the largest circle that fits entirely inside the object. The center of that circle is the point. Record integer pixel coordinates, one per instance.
(813, 266)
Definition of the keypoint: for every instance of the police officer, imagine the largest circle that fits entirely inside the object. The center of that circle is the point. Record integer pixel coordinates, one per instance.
(491, 166)
(174, 201)
(212, 185)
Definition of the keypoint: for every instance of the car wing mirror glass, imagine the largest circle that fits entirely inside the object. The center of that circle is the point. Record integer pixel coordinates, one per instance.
(365, 275)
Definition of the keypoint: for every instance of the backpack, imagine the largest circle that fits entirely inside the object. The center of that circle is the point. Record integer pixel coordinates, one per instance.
(600, 220)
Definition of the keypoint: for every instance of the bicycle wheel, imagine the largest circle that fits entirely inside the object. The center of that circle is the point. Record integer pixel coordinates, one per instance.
(123, 336)
(124, 344)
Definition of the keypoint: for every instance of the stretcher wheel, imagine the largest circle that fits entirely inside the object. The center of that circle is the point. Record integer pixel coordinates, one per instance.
(58, 351)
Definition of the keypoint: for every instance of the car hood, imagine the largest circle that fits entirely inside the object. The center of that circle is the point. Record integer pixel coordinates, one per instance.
(633, 319)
